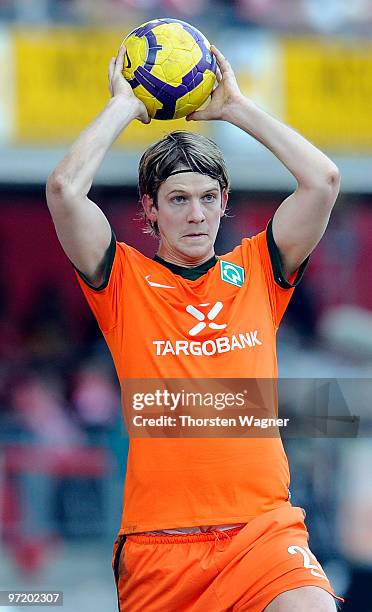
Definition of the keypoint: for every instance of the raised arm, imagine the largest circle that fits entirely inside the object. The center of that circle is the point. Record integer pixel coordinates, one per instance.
(300, 221)
(81, 226)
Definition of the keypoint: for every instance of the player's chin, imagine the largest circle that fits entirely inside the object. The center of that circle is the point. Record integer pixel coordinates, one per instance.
(196, 244)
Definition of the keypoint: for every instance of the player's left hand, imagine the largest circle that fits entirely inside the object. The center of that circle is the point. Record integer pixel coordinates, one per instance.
(224, 97)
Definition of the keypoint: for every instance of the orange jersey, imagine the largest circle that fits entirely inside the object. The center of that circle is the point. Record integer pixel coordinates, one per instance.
(158, 324)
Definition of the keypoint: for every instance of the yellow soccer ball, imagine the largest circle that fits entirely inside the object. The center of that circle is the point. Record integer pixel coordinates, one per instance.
(170, 67)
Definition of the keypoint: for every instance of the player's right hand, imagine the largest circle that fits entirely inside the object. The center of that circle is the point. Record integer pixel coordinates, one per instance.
(119, 86)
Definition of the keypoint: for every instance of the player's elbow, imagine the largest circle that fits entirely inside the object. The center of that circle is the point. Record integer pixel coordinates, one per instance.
(333, 179)
(327, 186)
(58, 189)
(56, 184)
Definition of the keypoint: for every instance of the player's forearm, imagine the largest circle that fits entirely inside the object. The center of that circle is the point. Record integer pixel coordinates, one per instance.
(310, 167)
(75, 173)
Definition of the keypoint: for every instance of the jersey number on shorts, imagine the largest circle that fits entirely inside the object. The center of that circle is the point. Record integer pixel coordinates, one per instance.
(315, 569)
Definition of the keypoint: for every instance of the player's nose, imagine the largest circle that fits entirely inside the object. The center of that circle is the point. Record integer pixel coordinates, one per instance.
(195, 212)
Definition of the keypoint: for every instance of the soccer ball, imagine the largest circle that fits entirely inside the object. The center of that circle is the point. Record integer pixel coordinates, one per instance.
(170, 67)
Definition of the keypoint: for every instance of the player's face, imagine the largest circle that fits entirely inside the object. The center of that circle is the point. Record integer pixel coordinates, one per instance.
(190, 207)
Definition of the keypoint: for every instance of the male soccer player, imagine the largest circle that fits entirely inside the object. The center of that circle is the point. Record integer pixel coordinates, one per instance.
(207, 522)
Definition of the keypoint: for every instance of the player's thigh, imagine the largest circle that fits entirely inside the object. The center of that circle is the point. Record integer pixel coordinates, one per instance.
(282, 565)
(303, 599)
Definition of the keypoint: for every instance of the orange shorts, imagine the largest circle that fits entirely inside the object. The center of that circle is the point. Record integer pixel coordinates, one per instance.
(240, 569)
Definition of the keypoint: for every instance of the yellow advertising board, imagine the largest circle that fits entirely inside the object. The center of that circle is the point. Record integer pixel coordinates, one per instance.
(327, 89)
(320, 86)
(61, 85)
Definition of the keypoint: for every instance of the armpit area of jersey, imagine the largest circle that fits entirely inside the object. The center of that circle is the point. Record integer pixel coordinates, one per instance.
(108, 260)
(188, 273)
(276, 262)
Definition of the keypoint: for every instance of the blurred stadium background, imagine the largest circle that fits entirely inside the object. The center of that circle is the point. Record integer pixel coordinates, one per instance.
(63, 448)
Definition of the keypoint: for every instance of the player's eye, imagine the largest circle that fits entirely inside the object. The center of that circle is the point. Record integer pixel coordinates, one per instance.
(209, 197)
(178, 199)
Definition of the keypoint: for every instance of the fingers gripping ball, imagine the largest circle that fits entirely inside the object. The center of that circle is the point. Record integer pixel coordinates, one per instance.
(170, 67)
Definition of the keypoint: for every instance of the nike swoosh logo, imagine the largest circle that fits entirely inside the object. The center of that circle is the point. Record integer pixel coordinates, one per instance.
(152, 284)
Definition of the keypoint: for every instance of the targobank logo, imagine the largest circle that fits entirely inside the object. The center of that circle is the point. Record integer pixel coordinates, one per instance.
(200, 316)
(210, 347)
(232, 273)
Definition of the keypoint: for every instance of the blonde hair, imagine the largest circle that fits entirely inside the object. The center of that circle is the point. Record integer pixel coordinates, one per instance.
(179, 149)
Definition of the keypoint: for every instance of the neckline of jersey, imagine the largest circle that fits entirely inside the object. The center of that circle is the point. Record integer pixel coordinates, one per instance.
(189, 273)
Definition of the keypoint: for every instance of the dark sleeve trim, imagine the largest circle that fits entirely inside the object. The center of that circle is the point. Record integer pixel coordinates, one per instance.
(108, 261)
(276, 262)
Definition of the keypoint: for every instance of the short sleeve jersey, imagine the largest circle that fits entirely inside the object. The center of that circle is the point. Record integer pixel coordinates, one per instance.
(157, 324)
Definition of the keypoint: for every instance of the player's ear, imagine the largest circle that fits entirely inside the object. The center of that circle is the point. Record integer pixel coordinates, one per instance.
(224, 200)
(149, 208)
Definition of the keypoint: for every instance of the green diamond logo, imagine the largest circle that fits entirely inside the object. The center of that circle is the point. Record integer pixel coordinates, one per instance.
(231, 273)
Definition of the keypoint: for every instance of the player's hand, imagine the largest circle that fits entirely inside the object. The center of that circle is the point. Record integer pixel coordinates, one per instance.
(224, 97)
(119, 86)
